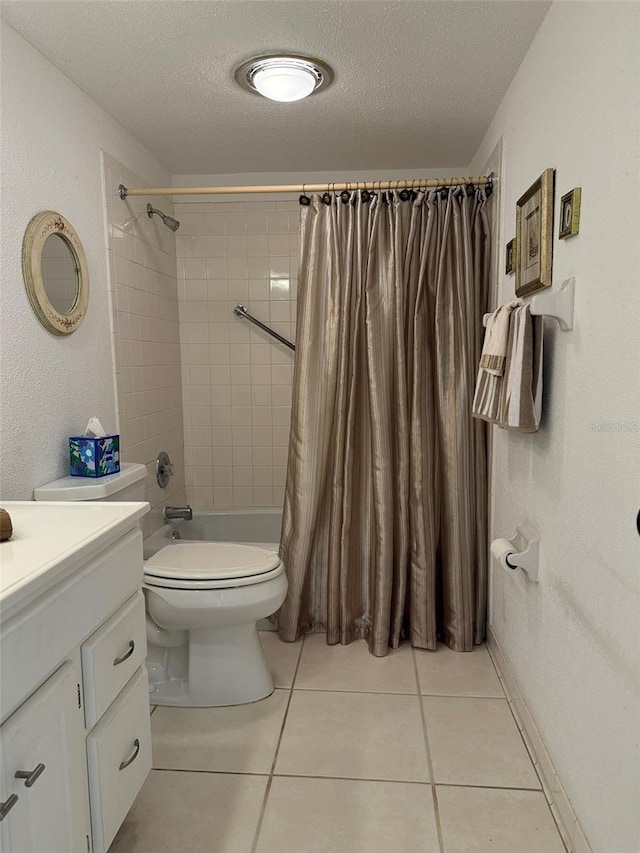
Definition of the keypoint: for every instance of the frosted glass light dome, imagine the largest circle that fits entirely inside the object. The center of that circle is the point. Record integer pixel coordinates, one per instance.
(284, 78)
(284, 82)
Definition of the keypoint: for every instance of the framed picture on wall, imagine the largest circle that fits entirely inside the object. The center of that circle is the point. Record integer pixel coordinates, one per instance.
(534, 235)
(510, 257)
(570, 213)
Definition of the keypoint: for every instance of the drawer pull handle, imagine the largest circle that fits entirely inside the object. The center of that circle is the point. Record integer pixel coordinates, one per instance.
(126, 655)
(30, 776)
(6, 807)
(129, 761)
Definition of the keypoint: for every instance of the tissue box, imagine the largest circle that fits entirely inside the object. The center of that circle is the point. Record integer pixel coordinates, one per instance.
(94, 457)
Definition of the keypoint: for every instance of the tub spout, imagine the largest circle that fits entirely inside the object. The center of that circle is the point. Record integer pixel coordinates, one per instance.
(173, 512)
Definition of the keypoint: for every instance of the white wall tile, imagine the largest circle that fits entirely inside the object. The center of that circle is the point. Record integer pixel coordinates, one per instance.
(142, 271)
(237, 380)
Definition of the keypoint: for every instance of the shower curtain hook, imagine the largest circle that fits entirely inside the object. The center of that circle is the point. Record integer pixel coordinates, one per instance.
(304, 198)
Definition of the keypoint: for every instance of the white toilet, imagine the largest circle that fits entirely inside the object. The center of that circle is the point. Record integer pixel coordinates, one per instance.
(203, 602)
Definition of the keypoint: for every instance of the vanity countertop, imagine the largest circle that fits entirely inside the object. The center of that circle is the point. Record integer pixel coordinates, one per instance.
(51, 539)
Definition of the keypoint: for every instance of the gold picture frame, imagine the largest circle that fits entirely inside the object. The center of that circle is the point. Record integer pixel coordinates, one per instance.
(570, 213)
(534, 235)
(511, 257)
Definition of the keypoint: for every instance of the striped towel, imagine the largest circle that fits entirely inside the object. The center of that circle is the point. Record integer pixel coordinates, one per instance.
(494, 348)
(514, 400)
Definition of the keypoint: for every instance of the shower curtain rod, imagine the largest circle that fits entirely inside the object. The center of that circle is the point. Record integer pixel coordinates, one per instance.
(402, 183)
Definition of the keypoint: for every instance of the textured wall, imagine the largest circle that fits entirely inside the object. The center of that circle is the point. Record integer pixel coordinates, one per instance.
(52, 136)
(573, 642)
(146, 336)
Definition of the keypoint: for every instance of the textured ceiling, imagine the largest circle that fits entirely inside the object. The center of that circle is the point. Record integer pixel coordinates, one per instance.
(416, 84)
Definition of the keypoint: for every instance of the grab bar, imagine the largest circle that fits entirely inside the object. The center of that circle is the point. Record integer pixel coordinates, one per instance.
(241, 311)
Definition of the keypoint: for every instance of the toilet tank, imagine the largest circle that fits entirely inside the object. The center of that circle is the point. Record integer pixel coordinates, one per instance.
(128, 485)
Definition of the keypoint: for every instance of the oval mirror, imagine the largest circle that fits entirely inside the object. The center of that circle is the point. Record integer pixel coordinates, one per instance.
(55, 272)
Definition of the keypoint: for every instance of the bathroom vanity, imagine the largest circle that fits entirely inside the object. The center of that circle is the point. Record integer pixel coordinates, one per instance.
(75, 739)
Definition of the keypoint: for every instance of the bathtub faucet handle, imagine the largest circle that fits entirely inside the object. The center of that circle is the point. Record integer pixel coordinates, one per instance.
(174, 512)
(165, 469)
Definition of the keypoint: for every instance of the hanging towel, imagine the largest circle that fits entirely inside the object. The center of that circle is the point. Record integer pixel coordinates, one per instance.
(486, 401)
(514, 400)
(520, 406)
(494, 348)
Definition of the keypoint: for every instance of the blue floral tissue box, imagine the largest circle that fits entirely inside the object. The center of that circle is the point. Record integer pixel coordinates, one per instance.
(94, 457)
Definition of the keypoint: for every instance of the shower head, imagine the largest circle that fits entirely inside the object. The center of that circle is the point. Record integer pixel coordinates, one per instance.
(169, 221)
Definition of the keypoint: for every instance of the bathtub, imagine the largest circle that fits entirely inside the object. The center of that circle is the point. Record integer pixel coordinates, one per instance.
(251, 526)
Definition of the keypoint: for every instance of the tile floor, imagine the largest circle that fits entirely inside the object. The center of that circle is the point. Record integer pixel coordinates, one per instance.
(413, 753)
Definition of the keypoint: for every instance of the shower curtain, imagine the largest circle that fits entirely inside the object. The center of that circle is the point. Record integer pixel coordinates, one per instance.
(384, 530)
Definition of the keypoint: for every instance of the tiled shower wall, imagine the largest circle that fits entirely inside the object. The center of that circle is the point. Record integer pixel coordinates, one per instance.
(146, 336)
(236, 379)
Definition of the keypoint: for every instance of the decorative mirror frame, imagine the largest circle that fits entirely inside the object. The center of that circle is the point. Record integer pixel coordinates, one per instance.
(42, 226)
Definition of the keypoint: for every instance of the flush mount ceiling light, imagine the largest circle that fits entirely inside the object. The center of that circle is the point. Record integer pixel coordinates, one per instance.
(283, 77)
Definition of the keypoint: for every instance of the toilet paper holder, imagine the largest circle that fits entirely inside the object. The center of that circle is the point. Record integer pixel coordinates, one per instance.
(525, 554)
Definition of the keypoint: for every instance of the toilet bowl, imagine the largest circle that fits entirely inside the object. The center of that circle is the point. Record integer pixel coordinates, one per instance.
(203, 602)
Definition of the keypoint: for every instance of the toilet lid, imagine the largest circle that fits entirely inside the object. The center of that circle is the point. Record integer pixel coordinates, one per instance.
(202, 561)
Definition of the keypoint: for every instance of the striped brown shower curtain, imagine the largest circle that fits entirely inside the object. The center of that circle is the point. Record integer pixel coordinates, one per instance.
(384, 530)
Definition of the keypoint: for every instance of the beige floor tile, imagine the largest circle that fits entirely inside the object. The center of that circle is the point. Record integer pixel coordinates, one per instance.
(241, 738)
(448, 673)
(343, 816)
(476, 742)
(482, 820)
(354, 668)
(193, 813)
(356, 735)
(282, 657)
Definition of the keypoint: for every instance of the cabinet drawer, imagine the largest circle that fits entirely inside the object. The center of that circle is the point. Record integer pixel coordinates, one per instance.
(112, 655)
(119, 759)
(35, 641)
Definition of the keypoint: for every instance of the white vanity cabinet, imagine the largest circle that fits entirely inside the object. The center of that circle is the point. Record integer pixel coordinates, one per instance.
(43, 770)
(75, 739)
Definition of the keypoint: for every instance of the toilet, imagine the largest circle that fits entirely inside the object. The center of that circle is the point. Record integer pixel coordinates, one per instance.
(203, 602)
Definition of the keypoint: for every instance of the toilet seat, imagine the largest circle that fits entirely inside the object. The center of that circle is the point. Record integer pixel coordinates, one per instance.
(210, 565)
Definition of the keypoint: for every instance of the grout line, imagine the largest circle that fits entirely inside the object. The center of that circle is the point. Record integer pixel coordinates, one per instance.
(498, 674)
(488, 787)
(264, 774)
(352, 779)
(530, 756)
(262, 811)
(397, 693)
(343, 690)
(275, 757)
(212, 772)
(434, 796)
(510, 704)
